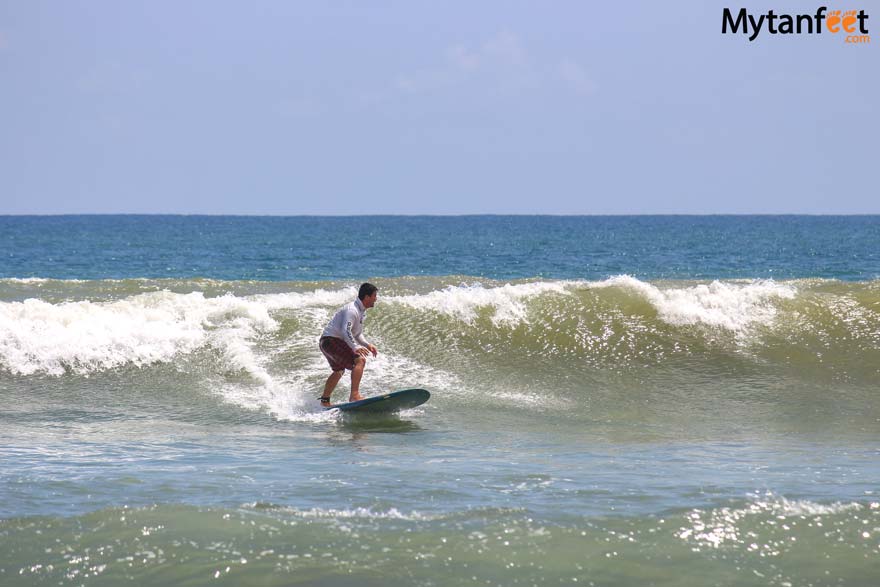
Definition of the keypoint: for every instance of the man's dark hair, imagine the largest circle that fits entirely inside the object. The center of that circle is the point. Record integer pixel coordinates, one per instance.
(366, 290)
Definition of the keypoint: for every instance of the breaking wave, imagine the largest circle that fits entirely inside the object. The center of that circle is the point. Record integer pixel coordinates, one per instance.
(256, 346)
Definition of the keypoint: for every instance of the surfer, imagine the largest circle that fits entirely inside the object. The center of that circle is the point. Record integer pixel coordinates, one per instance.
(344, 346)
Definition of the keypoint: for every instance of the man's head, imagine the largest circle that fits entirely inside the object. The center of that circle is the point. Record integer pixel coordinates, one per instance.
(367, 294)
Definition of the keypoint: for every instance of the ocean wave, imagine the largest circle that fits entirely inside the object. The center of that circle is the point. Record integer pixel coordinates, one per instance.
(730, 306)
(259, 543)
(508, 301)
(361, 513)
(430, 327)
(31, 280)
(85, 337)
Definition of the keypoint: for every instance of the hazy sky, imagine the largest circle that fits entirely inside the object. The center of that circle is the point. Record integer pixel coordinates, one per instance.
(412, 107)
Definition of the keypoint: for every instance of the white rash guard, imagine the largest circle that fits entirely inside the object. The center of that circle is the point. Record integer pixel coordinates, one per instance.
(348, 324)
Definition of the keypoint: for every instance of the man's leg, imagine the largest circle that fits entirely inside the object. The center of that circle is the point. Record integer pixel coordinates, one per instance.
(356, 374)
(331, 383)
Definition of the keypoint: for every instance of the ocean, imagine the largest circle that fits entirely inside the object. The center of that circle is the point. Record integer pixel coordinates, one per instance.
(669, 401)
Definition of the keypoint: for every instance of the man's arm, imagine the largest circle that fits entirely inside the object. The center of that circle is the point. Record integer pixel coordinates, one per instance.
(357, 342)
(365, 344)
(354, 343)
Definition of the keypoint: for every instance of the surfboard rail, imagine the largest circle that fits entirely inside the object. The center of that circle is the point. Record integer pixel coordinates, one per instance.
(394, 401)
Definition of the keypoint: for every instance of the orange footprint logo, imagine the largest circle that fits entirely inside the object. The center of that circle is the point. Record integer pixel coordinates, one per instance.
(834, 21)
(849, 21)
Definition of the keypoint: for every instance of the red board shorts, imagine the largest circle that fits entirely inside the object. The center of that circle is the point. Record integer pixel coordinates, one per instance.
(337, 352)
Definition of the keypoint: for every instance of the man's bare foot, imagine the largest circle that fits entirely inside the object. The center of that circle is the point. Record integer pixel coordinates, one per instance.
(355, 397)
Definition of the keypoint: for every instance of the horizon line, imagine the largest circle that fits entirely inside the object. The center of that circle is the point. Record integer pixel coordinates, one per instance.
(429, 215)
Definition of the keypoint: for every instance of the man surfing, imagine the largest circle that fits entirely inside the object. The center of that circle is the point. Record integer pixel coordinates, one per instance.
(344, 346)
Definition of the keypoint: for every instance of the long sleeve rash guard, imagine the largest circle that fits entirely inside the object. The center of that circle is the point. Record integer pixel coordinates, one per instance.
(348, 324)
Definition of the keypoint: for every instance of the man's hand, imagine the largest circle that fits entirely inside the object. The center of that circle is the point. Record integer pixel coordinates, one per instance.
(364, 351)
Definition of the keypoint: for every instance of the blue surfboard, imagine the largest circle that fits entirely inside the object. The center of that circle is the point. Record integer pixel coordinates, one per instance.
(385, 403)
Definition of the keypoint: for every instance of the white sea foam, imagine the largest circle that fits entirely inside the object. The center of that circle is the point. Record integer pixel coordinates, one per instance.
(507, 301)
(32, 280)
(353, 513)
(730, 305)
(291, 395)
(320, 298)
(287, 398)
(86, 337)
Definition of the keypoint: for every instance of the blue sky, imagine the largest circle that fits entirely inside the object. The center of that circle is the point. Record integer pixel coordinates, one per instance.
(430, 108)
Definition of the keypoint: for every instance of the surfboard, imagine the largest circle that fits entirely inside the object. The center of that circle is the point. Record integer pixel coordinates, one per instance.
(386, 403)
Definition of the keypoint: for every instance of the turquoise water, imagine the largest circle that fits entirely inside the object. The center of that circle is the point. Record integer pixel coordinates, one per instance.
(615, 401)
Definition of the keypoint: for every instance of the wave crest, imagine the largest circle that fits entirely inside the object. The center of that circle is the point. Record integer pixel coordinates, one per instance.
(84, 337)
(729, 305)
(614, 322)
